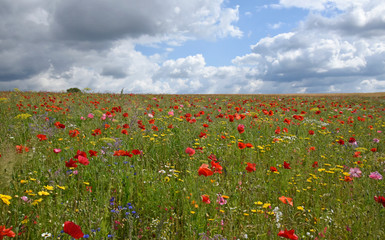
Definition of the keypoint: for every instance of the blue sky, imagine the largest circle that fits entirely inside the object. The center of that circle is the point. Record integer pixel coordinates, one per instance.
(193, 46)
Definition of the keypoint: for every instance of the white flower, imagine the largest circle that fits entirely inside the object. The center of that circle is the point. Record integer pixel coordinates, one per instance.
(46, 235)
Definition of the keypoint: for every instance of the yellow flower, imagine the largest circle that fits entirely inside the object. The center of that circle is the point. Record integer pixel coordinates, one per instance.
(6, 199)
(258, 203)
(300, 208)
(41, 193)
(61, 187)
(48, 187)
(23, 181)
(37, 201)
(266, 205)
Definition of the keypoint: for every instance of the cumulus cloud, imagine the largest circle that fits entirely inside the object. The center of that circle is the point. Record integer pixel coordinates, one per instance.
(64, 41)
(325, 51)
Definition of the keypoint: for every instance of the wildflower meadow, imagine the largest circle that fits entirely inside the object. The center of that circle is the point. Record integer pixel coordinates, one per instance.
(127, 166)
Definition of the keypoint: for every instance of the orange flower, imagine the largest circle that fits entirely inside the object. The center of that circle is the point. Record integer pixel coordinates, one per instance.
(286, 200)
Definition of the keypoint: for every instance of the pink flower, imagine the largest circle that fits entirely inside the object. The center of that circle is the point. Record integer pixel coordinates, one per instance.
(355, 172)
(190, 151)
(56, 150)
(24, 198)
(90, 115)
(375, 175)
(376, 140)
(171, 113)
(221, 200)
(103, 117)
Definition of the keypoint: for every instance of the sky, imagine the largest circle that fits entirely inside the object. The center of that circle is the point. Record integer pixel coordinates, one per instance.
(193, 46)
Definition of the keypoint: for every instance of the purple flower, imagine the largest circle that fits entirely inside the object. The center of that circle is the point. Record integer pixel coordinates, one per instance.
(376, 140)
(375, 175)
(355, 172)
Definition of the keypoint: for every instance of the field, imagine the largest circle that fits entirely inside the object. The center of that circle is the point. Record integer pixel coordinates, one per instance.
(126, 166)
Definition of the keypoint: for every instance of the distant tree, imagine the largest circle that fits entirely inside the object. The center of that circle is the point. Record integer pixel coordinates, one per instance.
(73, 90)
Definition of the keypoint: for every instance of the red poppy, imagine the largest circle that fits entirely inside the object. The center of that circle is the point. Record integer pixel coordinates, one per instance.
(136, 152)
(380, 199)
(71, 163)
(250, 167)
(203, 135)
(126, 125)
(352, 140)
(373, 149)
(205, 170)
(249, 145)
(241, 128)
(273, 169)
(216, 167)
(73, 133)
(93, 153)
(170, 126)
(6, 232)
(42, 137)
(241, 145)
(96, 132)
(348, 179)
(205, 125)
(125, 114)
(341, 142)
(286, 200)
(311, 132)
(124, 131)
(190, 151)
(278, 130)
(151, 121)
(205, 199)
(73, 230)
(83, 160)
(288, 234)
(286, 165)
(315, 164)
(155, 128)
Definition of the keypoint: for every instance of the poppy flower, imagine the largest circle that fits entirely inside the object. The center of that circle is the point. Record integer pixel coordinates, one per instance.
(205, 170)
(273, 169)
(311, 132)
(315, 164)
(380, 199)
(373, 149)
(6, 232)
(190, 151)
(205, 199)
(71, 163)
(288, 234)
(348, 179)
(341, 142)
(42, 137)
(73, 133)
(124, 131)
(241, 145)
(249, 145)
(241, 128)
(136, 152)
(286, 200)
(73, 230)
(250, 167)
(93, 153)
(126, 125)
(216, 167)
(83, 160)
(286, 165)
